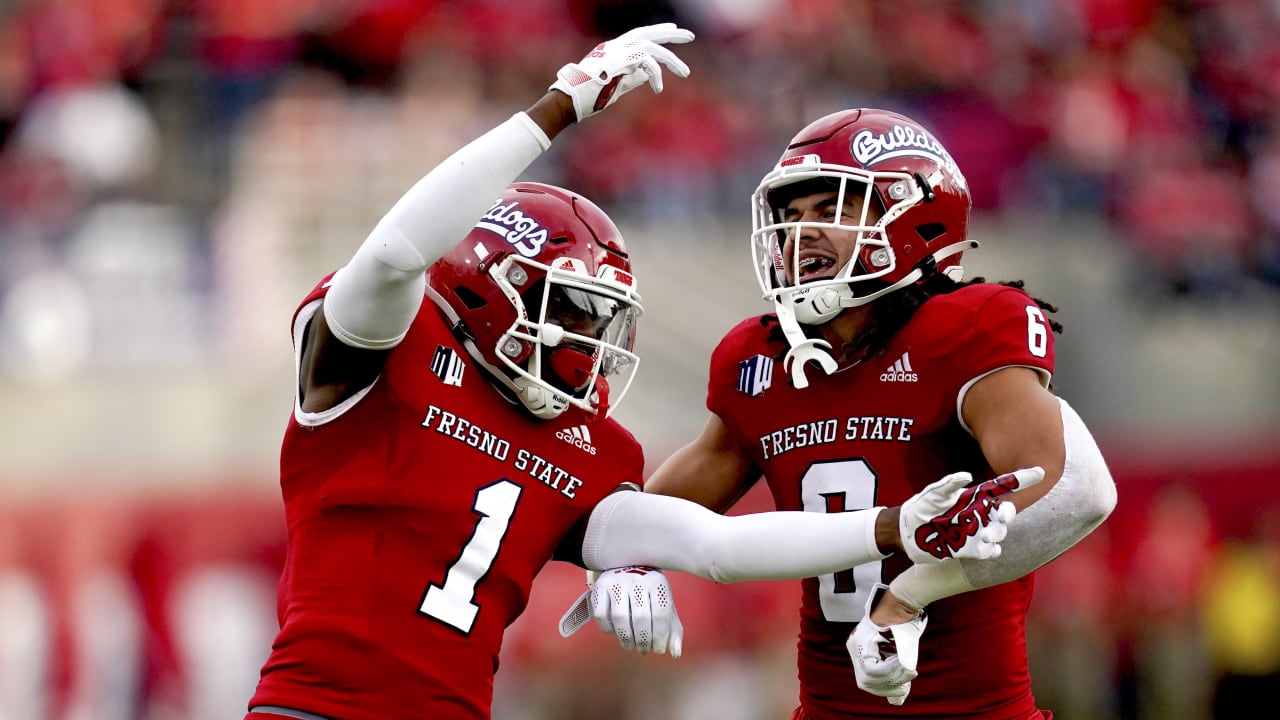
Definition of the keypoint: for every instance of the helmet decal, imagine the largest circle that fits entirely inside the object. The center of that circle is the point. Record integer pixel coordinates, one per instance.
(870, 148)
(549, 310)
(523, 233)
(800, 160)
(862, 203)
(569, 264)
(617, 275)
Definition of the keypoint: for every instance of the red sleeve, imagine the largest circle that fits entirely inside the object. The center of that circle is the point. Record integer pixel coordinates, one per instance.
(320, 290)
(1009, 328)
(727, 372)
(743, 365)
(966, 334)
(976, 330)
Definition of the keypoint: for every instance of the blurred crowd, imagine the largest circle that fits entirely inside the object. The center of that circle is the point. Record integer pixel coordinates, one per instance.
(1159, 115)
(174, 174)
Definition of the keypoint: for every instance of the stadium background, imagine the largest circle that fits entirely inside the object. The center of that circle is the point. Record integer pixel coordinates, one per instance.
(174, 174)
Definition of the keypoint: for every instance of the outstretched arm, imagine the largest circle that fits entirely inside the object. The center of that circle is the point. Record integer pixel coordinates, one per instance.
(629, 528)
(373, 299)
(713, 471)
(633, 532)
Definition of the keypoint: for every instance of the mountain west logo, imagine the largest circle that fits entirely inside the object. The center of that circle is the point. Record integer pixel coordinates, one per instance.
(523, 233)
(900, 371)
(578, 436)
(447, 366)
(755, 375)
(869, 148)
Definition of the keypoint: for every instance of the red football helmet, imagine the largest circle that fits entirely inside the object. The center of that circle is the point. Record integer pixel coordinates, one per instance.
(543, 291)
(900, 172)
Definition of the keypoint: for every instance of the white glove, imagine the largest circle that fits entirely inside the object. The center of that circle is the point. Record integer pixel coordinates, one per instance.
(884, 659)
(948, 519)
(634, 603)
(617, 67)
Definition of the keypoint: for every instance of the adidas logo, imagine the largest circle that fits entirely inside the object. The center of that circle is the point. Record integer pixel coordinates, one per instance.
(578, 436)
(900, 371)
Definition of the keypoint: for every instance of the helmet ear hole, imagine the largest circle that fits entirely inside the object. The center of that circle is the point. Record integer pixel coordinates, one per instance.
(469, 298)
(532, 297)
(931, 231)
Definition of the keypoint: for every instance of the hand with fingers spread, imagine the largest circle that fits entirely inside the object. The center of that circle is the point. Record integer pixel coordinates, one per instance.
(634, 604)
(951, 518)
(616, 67)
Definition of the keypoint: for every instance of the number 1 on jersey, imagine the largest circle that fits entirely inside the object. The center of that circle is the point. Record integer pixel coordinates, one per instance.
(453, 603)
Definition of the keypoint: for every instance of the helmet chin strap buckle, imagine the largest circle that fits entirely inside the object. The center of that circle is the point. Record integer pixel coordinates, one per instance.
(810, 350)
(541, 402)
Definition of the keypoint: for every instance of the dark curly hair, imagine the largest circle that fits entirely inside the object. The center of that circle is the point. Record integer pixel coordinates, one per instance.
(894, 311)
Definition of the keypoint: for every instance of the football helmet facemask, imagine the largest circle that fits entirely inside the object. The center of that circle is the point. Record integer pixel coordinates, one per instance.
(912, 218)
(542, 293)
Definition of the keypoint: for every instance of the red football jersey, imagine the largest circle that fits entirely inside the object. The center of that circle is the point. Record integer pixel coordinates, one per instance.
(876, 434)
(417, 519)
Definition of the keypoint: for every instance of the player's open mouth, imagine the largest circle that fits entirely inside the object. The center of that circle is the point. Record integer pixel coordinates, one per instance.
(815, 267)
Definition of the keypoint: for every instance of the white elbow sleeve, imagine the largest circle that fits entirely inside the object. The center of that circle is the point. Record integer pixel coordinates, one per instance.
(675, 534)
(371, 305)
(374, 298)
(1077, 504)
(1081, 499)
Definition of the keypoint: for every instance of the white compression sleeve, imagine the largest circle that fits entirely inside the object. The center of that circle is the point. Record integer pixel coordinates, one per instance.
(1081, 499)
(374, 298)
(634, 528)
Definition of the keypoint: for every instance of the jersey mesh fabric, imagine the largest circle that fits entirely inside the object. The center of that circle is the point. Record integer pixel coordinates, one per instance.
(875, 434)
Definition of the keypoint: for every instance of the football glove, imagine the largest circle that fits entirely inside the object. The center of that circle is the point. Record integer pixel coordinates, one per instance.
(950, 519)
(634, 604)
(616, 67)
(884, 658)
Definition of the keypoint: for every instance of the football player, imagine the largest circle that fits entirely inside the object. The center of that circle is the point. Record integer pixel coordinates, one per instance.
(450, 435)
(894, 370)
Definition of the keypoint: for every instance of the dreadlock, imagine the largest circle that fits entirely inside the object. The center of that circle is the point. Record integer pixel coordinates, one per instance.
(894, 310)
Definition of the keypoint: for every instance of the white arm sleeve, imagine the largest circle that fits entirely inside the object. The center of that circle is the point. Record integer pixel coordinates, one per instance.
(1079, 502)
(374, 298)
(635, 528)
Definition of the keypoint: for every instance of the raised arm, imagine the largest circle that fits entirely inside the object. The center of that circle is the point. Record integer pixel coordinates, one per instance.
(373, 299)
